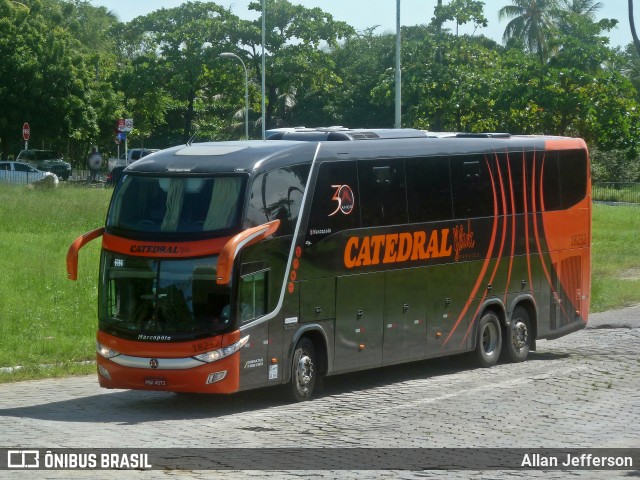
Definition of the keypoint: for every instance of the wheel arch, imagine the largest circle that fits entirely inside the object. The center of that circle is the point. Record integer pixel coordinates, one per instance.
(321, 345)
(494, 305)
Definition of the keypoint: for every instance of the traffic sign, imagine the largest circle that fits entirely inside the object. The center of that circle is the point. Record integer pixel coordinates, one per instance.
(125, 124)
(26, 131)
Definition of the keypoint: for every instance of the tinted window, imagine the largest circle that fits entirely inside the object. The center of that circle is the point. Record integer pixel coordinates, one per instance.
(573, 176)
(472, 188)
(44, 155)
(336, 200)
(383, 192)
(163, 204)
(551, 182)
(428, 189)
(21, 167)
(277, 195)
(520, 169)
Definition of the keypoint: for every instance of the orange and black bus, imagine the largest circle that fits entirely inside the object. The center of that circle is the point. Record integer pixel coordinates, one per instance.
(235, 265)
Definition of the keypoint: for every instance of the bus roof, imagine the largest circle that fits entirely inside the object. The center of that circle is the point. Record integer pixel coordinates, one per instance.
(225, 157)
(253, 156)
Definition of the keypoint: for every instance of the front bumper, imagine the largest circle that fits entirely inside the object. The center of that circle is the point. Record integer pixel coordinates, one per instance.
(167, 367)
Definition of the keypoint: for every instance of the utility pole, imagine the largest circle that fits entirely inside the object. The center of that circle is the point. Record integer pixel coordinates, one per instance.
(398, 72)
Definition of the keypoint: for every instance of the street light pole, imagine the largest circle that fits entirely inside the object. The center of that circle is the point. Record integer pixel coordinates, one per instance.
(246, 91)
(398, 71)
(263, 67)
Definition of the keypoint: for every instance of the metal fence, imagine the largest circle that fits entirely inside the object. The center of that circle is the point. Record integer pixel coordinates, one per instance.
(617, 192)
(85, 176)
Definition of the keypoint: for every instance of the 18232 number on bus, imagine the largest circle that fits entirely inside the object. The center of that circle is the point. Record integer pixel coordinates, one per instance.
(578, 239)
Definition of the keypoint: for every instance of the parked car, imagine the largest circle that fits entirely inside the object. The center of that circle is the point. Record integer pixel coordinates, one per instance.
(47, 161)
(23, 173)
(133, 154)
(114, 175)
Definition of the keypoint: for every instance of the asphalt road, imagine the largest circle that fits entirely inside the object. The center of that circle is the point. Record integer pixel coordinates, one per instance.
(581, 391)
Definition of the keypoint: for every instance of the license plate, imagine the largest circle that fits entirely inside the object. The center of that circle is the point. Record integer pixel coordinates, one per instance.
(155, 381)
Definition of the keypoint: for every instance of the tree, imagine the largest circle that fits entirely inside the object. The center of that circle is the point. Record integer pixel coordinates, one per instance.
(587, 8)
(531, 22)
(45, 78)
(174, 54)
(300, 71)
(461, 11)
(363, 62)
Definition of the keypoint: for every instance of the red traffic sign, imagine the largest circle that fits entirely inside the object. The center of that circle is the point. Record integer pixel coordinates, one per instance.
(26, 131)
(125, 124)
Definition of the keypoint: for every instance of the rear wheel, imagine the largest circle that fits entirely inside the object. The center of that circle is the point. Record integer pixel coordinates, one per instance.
(304, 371)
(517, 340)
(489, 341)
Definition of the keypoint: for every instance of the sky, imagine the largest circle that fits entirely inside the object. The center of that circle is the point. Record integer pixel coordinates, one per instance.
(363, 14)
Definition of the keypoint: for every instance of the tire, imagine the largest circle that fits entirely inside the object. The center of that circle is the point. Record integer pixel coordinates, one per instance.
(304, 371)
(489, 340)
(517, 339)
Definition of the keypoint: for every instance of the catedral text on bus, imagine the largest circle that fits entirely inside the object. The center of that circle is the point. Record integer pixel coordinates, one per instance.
(236, 265)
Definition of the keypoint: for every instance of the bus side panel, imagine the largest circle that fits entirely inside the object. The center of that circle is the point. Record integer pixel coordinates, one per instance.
(448, 293)
(359, 317)
(405, 312)
(254, 360)
(317, 299)
(568, 236)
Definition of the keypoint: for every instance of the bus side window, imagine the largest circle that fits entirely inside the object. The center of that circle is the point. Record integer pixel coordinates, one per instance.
(253, 296)
(277, 195)
(472, 189)
(383, 186)
(573, 176)
(551, 182)
(336, 201)
(428, 189)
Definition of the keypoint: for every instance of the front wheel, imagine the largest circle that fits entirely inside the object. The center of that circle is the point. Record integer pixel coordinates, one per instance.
(518, 336)
(304, 371)
(489, 341)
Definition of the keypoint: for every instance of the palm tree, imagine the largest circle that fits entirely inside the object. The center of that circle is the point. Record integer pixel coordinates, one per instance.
(582, 7)
(632, 23)
(532, 21)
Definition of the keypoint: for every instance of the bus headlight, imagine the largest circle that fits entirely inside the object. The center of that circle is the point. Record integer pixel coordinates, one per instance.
(223, 352)
(105, 352)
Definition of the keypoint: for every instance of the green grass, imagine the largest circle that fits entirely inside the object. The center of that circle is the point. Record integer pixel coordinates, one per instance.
(48, 323)
(615, 270)
(45, 319)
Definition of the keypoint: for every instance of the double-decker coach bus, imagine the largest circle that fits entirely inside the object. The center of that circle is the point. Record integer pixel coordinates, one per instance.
(235, 265)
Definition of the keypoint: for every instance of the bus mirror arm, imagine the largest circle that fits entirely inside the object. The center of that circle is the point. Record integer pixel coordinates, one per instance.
(243, 239)
(72, 253)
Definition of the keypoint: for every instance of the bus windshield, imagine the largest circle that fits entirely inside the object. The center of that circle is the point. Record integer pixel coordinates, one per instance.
(176, 204)
(153, 299)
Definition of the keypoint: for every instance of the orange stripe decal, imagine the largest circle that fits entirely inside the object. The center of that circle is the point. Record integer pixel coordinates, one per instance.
(485, 265)
(533, 217)
(513, 230)
(502, 242)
